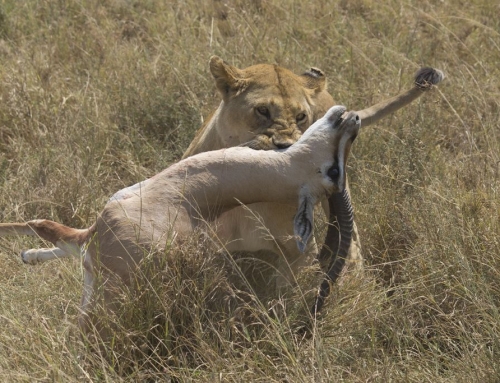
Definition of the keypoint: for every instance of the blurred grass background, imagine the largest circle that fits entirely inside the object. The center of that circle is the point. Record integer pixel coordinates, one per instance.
(97, 95)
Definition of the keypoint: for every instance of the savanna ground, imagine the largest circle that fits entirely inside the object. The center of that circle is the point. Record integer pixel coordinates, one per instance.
(97, 95)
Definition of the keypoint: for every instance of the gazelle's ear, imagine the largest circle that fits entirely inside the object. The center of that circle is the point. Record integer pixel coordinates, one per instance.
(303, 221)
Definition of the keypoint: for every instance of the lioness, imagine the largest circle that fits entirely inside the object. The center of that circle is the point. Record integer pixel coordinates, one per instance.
(269, 107)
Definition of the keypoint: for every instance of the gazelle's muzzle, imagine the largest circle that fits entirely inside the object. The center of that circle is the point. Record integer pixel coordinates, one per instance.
(351, 124)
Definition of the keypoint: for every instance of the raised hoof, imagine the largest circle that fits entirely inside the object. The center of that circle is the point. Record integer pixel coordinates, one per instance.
(426, 77)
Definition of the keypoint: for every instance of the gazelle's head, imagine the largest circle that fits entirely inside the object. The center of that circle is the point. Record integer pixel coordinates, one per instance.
(328, 143)
(330, 139)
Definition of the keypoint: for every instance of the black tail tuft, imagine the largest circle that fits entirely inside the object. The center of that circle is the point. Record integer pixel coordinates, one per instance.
(426, 77)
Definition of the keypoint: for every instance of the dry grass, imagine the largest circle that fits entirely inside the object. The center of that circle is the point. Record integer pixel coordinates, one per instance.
(98, 95)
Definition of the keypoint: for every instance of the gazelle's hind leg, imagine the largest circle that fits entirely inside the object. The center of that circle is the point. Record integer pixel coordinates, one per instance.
(34, 256)
(87, 303)
(68, 241)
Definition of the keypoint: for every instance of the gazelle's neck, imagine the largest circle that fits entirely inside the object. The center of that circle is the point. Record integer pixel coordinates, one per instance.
(226, 179)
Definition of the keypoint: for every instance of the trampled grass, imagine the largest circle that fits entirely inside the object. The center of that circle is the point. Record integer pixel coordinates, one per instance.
(98, 95)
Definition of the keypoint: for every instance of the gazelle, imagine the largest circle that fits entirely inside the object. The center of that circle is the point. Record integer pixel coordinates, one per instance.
(197, 191)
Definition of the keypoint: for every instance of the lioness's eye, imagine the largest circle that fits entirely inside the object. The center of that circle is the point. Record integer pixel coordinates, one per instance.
(263, 111)
(301, 117)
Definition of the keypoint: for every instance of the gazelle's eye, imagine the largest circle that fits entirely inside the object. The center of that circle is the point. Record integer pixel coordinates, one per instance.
(300, 118)
(263, 111)
(333, 172)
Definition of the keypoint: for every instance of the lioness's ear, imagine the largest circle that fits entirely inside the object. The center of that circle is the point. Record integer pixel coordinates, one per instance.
(303, 222)
(228, 78)
(315, 79)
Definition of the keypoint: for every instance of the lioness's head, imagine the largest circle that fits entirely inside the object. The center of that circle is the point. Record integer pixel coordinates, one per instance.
(267, 106)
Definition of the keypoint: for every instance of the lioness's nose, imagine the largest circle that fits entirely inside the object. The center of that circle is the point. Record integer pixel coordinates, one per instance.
(282, 143)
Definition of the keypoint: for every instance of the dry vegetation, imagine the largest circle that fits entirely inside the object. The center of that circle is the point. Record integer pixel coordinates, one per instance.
(97, 95)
